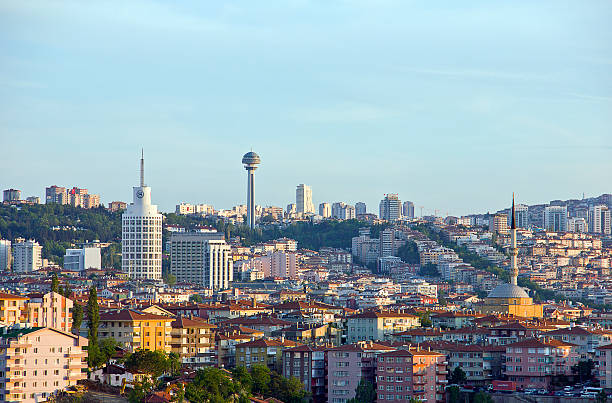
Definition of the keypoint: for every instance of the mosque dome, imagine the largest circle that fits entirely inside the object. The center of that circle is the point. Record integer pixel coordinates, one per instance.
(508, 291)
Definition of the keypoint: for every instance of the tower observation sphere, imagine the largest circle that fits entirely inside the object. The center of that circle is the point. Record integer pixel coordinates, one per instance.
(251, 160)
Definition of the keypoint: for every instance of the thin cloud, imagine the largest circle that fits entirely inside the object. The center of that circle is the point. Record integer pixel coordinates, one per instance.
(346, 112)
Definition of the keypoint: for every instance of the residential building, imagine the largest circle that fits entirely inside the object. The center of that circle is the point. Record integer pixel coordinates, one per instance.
(137, 330)
(49, 310)
(56, 194)
(267, 352)
(291, 209)
(141, 235)
(481, 364)
(498, 223)
(378, 325)
(361, 208)
(11, 195)
(390, 207)
(27, 256)
(12, 309)
(555, 218)
(37, 362)
(325, 210)
(604, 368)
(408, 209)
(117, 206)
(403, 375)
(532, 363)
(88, 257)
(193, 339)
(347, 365)
(586, 340)
(577, 224)
(599, 219)
(307, 364)
(303, 200)
(201, 258)
(6, 257)
(521, 215)
(342, 211)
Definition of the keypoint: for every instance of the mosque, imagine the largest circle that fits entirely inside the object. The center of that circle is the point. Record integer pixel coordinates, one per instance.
(510, 298)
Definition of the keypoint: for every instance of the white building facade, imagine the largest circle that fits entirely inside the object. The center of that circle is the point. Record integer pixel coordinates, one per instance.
(5, 255)
(27, 256)
(85, 258)
(303, 199)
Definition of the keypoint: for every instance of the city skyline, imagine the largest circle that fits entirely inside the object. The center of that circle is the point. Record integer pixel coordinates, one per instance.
(446, 105)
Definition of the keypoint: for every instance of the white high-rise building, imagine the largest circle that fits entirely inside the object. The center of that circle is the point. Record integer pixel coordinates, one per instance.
(141, 235)
(325, 210)
(361, 208)
(577, 224)
(5, 254)
(555, 218)
(303, 199)
(85, 258)
(521, 213)
(27, 256)
(599, 219)
(201, 258)
(390, 207)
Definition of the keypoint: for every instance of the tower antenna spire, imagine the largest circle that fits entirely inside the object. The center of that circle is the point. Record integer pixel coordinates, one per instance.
(142, 183)
(512, 221)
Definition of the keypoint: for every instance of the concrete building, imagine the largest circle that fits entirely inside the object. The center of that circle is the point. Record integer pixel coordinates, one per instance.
(33, 199)
(117, 206)
(599, 220)
(303, 200)
(307, 364)
(78, 197)
(26, 256)
(361, 208)
(577, 224)
(390, 207)
(291, 209)
(12, 309)
(201, 258)
(251, 161)
(5, 255)
(267, 352)
(141, 235)
(325, 210)
(377, 325)
(498, 223)
(56, 194)
(521, 212)
(88, 257)
(404, 375)
(343, 211)
(555, 218)
(408, 209)
(137, 330)
(49, 310)
(11, 195)
(37, 362)
(193, 339)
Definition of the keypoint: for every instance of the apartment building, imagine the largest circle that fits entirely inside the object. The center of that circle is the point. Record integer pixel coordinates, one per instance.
(532, 363)
(378, 325)
(49, 310)
(27, 256)
(307, 364)
(37, 362)
(193, 339)
(347, 365)
(6, 257)
(137, 330)
(87, 257)
(267, 352)
(56, 194)
(604, 368)
(480, 363)
(403, 375)
(12, 309)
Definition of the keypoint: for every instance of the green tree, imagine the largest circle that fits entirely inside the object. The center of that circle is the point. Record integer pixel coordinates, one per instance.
(458, 376)
(211, 385)
(174, 364)
(54, 283)
(60, 290)
(108, 348)
(242, 375)
(197, 298)
(409, 253)
(169, 278)
(482, 397)
(602, 397)
(288, 390)
(454, 394)
(261, 379)
(68, 291)
(365, 393)
(584, 370)
(425, 319)
(140, 391)
(93, 318)
(154, 363)
(430, 270)
(77, 318)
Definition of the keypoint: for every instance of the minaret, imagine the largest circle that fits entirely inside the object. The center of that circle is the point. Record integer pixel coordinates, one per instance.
(513, 249)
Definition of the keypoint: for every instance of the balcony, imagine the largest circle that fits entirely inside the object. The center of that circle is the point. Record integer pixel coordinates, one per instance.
(442, 372)
(419, 391)
(417, 381)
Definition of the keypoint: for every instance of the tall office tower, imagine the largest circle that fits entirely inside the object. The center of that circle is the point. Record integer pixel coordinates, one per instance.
(26, 256)
(201, 258)
(577, 224)
(56, 194)
(10, 195)
(521, 214)
(408, 209)
(499, 223)
(251, 161)
(390, 207)
(325, 210)
(303, 199)
(337, 209)
(361, 208)
(386, 241)
(141, 235)
(88, 257)
(348, 212)
(555, 218)
(599, 219)
(5, 254)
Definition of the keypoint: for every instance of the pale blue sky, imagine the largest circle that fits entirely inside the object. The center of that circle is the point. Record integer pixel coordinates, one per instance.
(451, 104)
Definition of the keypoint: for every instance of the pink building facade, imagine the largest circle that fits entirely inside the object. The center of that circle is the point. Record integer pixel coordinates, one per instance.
(532, 363)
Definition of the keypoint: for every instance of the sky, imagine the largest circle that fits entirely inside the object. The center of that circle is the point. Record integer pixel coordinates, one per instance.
(453, 105)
